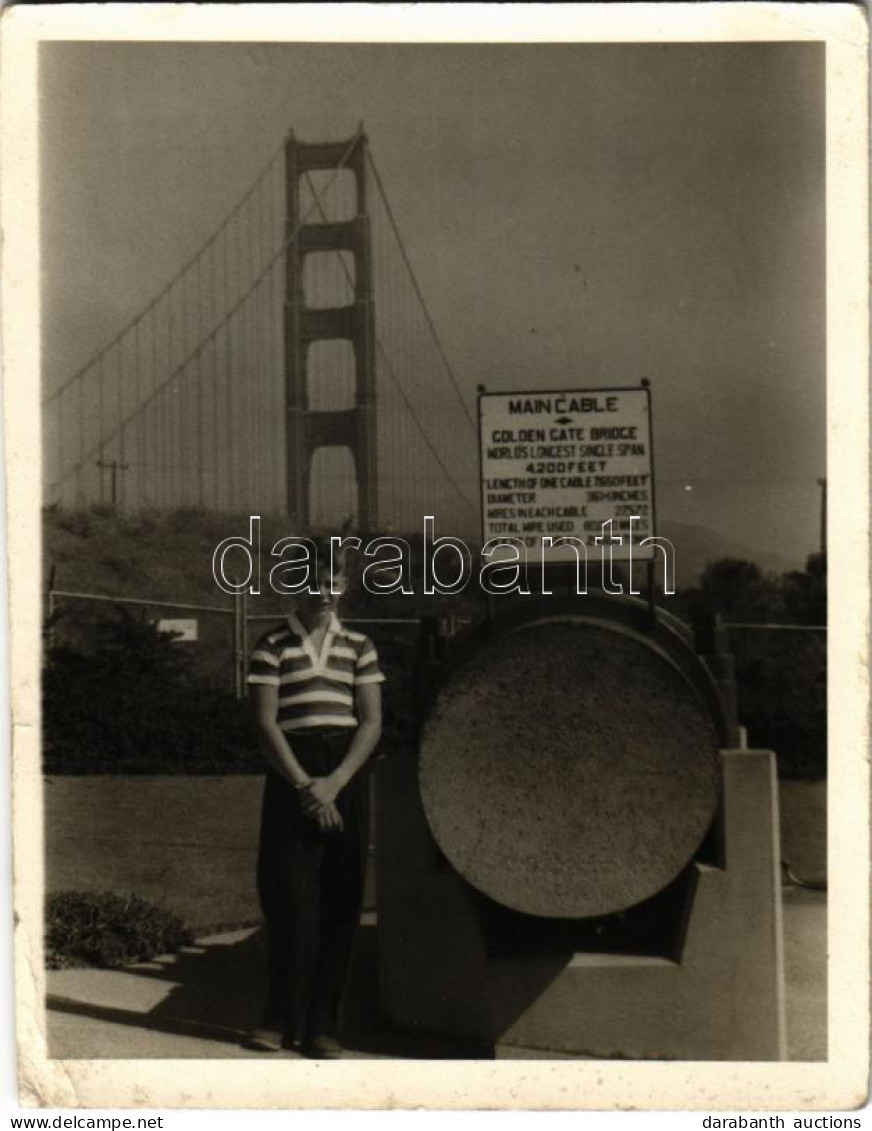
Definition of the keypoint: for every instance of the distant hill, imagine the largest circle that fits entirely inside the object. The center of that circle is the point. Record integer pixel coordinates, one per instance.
(168, 556)
(696, 546)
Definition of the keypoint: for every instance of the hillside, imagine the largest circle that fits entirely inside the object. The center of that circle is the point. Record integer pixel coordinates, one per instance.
(696, 546)
(168, 556)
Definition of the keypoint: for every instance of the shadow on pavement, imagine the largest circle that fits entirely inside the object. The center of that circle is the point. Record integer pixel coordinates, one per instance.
(216, 991)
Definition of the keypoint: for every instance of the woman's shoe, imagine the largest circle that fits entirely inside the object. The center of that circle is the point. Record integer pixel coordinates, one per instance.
(322, 1048)
(263, 1040)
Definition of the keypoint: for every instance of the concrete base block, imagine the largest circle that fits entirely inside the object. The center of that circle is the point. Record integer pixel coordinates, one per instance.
(721, 998)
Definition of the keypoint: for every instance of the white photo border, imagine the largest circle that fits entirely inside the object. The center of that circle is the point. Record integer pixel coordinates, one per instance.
(840, 1082)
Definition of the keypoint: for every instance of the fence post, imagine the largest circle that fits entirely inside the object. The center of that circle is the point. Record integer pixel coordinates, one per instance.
(50, 612)
(243, 643)
(238, 679)
(722, 666)
(50, 607)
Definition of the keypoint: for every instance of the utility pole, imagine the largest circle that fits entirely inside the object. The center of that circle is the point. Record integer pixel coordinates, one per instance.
(822, 483)
(114, 466)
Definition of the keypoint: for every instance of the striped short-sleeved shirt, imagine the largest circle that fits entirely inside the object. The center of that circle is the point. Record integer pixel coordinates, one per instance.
(316, 692)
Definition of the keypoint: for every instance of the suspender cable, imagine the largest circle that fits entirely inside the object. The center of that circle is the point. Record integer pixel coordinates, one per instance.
(198, 400)
(254, 272)
(138, 441)
(121, 437)
(228, 423)
(155, 422)
(184, 396)
(169, 400)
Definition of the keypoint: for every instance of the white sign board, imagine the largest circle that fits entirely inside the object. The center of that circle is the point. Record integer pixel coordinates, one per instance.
(186, 629)
(562, 463)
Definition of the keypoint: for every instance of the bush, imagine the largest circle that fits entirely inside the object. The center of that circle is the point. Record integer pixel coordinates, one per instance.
(135, 703)
(105, 929)
(781, 676)
(129, 700)
(782, 687)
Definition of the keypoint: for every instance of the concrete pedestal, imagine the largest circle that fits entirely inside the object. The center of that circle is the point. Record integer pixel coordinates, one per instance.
(720, 998)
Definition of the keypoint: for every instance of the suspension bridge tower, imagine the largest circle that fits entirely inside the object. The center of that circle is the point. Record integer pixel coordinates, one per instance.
(309, 429)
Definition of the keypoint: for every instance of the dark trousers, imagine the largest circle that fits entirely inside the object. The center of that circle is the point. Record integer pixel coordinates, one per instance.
(310, 885)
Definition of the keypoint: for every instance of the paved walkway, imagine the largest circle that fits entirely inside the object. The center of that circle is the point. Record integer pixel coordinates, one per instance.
(200, 1002)
(197, 1004)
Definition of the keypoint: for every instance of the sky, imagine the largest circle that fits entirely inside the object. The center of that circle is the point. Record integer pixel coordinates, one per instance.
(578, 215)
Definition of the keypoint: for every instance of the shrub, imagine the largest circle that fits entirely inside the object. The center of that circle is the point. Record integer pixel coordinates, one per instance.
(781, 676)
(129, 700)
(782, 685)
(135, 703)
(106, 929)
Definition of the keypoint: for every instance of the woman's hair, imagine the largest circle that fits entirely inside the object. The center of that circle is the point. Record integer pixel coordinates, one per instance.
(343, 559)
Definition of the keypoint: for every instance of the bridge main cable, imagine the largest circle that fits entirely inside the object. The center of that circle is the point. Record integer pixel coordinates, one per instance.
(390, 214)
(180, 368)
(165, 290)
(389, 366)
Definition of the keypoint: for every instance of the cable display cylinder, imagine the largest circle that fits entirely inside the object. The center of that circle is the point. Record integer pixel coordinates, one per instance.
(569, 763)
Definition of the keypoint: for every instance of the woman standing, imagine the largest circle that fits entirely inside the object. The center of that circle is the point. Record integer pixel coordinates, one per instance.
(316, 691)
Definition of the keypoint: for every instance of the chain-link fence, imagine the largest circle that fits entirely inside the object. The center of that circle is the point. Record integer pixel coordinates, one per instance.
(781, 677)
(209, 634)
(137, 685)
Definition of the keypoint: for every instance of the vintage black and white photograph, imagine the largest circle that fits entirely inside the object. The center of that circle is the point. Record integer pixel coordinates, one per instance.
(435, 505)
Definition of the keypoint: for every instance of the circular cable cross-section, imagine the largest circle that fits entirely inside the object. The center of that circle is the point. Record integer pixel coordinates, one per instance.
(568, 769)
